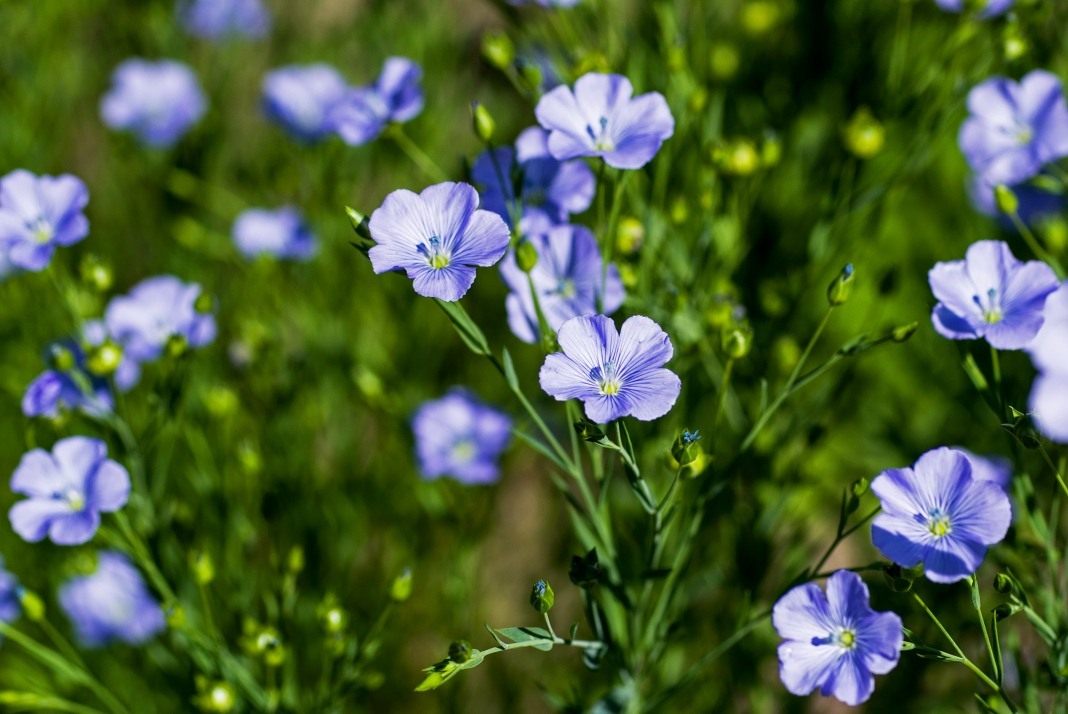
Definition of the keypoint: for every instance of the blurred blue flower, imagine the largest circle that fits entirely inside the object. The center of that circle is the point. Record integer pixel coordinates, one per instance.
(10, 596)
(551, 190)
(834, 641)
(281, 233)
(1049, 352)
(991, 8)
(396, 96)
(601, 118)
(990, 295)
(1015, 128)
(156, 101)
(215, 19)
(459, 436)
(301, 98)
(38, 213)
(615, 374)
(56, 390)
(567, 279)
(939, 514)
(67, 491)
(112, 604)
(128, 373)
(155, 311)
(437, 237)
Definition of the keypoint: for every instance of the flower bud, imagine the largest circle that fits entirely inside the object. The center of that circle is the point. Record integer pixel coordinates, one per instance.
(589, 431)
(1005, 610)
(724, 61)
(542, 597)
(526, 256)
(860, 487)
(686, 450)
(1007, 585)
(95, 273)
(904, 332)
(736, 341)
(62, 358)
(770, 151)
(838, 290)
(401, 588)
(460, 651)
(498, 49)
(203, 567)
(482, 121)
(864, 136)
(1006, 200)
(204, 304)
(218, 697)
(680, 212)
(629, 236)
(295, 560)
(1015, 44)
(220, 401)
(760, 16)
(176, 346)
(737, 158)
(104, 359)
(532, 74)
(32, 605)
(334, 620)
(901, 579)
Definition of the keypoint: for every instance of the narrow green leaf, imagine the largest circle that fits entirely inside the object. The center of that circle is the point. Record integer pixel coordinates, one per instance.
(528, 634)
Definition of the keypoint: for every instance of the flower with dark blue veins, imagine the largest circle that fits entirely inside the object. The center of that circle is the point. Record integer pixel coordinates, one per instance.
(302, 98)
(989, 8)
(939, 514)
(10, 596)
(550, 192)
(37, 214)
(602, 118)
(158, 102)
(615, 374)
(67, 491)
(995, 469)
(1049, 352)
(281, 233)
(461, 437)
(990, 295)
(155, 311)
(216, 19)
(1015, 128)
(112, 604)
(568, 279)
(396, 96)
(437, 237)
(834, 641)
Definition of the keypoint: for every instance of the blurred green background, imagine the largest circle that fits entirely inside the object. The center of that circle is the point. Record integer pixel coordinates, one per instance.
(292, 430)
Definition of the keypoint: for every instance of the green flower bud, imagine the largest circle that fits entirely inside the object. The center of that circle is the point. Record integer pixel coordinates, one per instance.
(760, 16)
(95, 273)
(838, 290)
(1006, 200)
(686, 449)
(1005, 610)
(860, 487)
(32, 605)
(334, 620)
(737, 341)
(1056, 233)
(176, 346)
(220, 401)
(901, 579)
(864, 136)
(1005, 584)
(738, 158)
(203, 567)
(542, 597)
(460, 651)
(482, 121)
(401, 588)
(628, 275)
(630, 235)
(526, 256)
(724, 61)
(216, 697)
(267, 644)
(589, 431)
(62, 358)
(204, 304)
(532, 75)
(770, 151)
(104, 359)
(176, 619)
(680, 212)
(1015, 44)
(903, 333)
(498, 49)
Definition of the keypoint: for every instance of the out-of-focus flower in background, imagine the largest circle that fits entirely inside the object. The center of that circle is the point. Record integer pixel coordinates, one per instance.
(459, 436)
(217, 19)
(302, 99)
(281, 232)
(986, 8)
(1049, 352)
(396, 96)
(158, 102)
(112, 604)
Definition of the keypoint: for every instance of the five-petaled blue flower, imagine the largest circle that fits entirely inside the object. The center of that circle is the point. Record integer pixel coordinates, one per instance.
(38, 213)
(990, 8)
(567, 279)
(550, 192)
(939, 514)
(437, 237)
(302, 98)
(834, 641)
(1049, 352)
(67, 491)
(156, 101)
(1015, 128)
(112, 604)
(990, 295)
(215, 19)
(396, 96)
(615, 374)
(459, 436)
(601, 118)
(281, 233)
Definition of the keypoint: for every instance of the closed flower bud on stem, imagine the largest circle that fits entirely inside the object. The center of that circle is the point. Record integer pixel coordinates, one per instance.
(526, 256)
(1007, 585)
(686, 448)
(62, 358)
(838, 290)
(483, 122)
(216, 697)
(864, 136)
(203, 567)
(903, 333)
(585, 570)
(1006, 200)
(629, 236)
(460, 651)
(176, 346)
(589, 431)
(32, 605)
(295, 560)
(1005, 610)
(737, 341)
(498, 49)
(542, 597)
(401, 589)
(104, 359)
(95, 273)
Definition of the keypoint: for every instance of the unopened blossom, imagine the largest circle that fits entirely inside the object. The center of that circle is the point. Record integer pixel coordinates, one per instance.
(461, 437)
(37, 215)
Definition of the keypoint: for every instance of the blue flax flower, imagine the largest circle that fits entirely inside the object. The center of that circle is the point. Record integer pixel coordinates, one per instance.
(156, 101)
(37, 214)
(1015, 128)
(215, 19)
(281, 233)
(56, 390)
(437, 237)
(990, 8)
(834, 641)
(939, 514)
(601, 118)
(615, 374)
(459, 436)
(112, 604)
(10, 596)
(68, 489)
(155, 311)
(396, 96)
(550, 192)
(990, 295)
(302, 98)
(568, 279)
(1049, 352)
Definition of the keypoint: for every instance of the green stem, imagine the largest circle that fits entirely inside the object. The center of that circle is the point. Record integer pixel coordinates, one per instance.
(1032, 242)
(977, 603)
(144, 558)
(419, 157)
(1053, 467)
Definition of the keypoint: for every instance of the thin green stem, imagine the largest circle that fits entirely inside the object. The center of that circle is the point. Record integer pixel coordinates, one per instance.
(1053, 467)
(419, 157)
(1032, 242)
(724, 386)
(977, 603)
